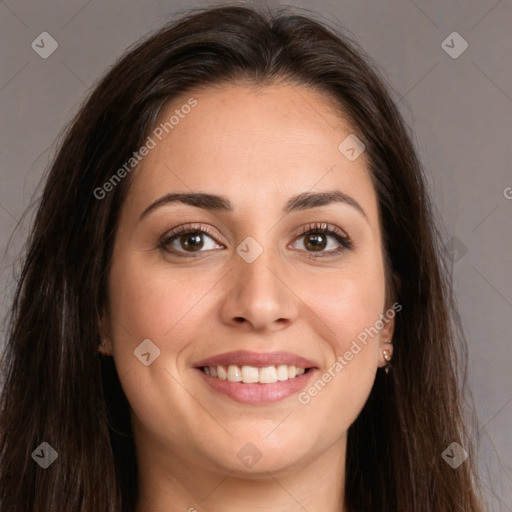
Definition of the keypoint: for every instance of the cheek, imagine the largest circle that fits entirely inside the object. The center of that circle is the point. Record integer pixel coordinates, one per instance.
(150, 302)
(346, 303)
(155, 302)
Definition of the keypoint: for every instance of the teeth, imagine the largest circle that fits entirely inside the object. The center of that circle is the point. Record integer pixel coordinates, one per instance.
(249, 374)
(221, 372)
(234, 373)
(253, 374)
(282, 372)
(268, 375)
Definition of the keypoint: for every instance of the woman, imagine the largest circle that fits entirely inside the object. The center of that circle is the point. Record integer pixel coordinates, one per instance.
(233, 243)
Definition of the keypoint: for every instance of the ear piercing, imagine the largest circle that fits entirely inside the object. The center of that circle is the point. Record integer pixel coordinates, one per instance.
(387, 357)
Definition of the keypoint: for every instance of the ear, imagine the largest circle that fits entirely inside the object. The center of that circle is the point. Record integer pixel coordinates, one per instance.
(388, 319)
(386, 335)
(105, 346)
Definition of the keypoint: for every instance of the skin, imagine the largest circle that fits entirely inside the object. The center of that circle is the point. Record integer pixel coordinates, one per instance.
(187, 436)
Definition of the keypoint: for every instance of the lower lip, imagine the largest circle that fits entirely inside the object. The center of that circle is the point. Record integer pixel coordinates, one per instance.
(258, 393)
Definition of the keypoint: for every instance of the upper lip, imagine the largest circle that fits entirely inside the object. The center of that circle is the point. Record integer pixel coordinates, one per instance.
(257, 359)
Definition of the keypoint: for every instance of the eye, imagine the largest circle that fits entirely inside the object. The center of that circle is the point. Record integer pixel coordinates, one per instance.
(192, 240)
(189, 239)
(324, 240)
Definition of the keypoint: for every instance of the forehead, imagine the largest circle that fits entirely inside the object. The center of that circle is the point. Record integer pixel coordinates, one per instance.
(253, 144)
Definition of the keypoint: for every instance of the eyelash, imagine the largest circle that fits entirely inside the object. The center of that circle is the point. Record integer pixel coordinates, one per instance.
(316, 228)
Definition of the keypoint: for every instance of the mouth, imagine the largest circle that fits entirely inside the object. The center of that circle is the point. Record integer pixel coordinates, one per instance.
(256, 378)
(254, 375)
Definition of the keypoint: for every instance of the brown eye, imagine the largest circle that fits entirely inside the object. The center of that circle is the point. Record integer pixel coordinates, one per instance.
(315, 242)
(192, 241)
(323, 240)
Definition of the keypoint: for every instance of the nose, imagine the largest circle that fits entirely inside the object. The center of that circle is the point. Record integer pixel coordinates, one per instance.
(259, 298)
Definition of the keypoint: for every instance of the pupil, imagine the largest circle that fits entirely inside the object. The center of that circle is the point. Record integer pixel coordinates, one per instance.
(315, 242)
(196, 242)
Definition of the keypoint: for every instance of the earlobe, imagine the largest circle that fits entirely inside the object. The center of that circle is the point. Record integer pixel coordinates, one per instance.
(102, 350)
(386, 342)
(388, 319)
(386, 356)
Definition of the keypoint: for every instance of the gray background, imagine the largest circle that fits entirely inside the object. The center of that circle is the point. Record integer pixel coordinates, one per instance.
(460, 110)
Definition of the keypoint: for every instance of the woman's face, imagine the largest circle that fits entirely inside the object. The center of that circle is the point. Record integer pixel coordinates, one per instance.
(246, 290)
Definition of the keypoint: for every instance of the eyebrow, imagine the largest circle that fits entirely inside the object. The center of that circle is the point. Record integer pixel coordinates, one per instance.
(214, 202)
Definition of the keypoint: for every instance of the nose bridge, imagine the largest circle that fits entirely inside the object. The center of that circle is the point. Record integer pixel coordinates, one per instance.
(258, 294)
(257, 278)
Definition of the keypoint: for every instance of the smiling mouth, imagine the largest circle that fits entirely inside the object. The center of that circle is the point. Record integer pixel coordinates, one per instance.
(254, 375)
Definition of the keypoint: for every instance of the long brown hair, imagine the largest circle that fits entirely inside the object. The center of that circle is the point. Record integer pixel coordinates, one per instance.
(58, 389)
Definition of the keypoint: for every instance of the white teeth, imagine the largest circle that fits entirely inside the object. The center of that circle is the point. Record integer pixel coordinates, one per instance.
(222, 373)
(234, 373)
(268, 375)
(282, 372)
(252, 374)
(249, 374)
